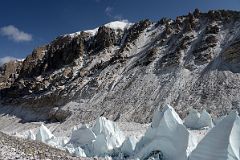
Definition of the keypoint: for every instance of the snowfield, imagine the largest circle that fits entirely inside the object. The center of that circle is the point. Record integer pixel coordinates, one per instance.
(167, 137)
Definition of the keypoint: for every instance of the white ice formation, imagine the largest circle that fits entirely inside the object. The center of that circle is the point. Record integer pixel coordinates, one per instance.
(222, 142)
(129, 145)
(167, 137)
(195, 120)
(43, 134)
(83, 135)
(108, 136)
(166, 134)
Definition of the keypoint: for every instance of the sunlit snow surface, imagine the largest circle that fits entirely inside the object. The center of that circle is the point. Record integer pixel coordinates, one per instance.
(116, 25)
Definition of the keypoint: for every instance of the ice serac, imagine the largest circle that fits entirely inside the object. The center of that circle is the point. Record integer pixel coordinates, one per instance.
(31, 135)
(58, 142)
(205, 120)
(195, 120)
(108, 136)
(222, 142)
(167, 134)
(192, 119)
(79, 152)
(44, 134)
(83, 135)
(129, 145)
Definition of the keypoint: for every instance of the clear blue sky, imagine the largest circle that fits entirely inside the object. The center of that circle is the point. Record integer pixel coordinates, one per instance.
(26, 24)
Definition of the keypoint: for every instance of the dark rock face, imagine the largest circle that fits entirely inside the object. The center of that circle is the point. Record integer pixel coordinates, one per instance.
(232, 55)
(134, 32)
(104, 38)
(33, 65)
(192, 61)
(212, 29)
(9, 73)
(136, 29)
(62, 51)
(197, 13)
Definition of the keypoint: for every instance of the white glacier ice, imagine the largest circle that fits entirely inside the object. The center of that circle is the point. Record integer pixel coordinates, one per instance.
(195, 120)
(44, 134)
(192, 119)
(58, 142)
(166, 134)
(205, 120)
(129, 145)
(166, 137)
(222, 142)
(99, 140)
(79, 152)
(69, 148)
(218, 119)
(108, 136)
(83, 135)
(100, 146)
(31, 135)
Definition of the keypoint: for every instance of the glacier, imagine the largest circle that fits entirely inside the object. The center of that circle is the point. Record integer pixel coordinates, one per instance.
(167, 137)
(166, 134)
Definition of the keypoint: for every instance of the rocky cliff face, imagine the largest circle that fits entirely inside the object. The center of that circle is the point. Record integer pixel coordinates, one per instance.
(9, 72)
(125, 71)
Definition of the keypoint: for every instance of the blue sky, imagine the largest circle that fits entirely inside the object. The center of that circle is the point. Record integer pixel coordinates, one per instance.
(26, 24)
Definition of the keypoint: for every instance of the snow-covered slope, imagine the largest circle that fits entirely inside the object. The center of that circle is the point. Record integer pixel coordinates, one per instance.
(124, 71)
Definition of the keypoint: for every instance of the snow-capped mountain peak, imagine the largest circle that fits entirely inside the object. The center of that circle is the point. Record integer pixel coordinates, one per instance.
(115, 25)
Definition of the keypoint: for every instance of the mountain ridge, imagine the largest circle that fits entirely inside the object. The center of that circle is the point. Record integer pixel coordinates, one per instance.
(124, 74)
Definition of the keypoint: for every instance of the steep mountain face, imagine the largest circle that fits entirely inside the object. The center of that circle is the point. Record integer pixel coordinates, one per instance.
(124, 71)
(9, 72)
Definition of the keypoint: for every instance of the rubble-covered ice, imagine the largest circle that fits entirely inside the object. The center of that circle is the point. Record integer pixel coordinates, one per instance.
(195, 120)
(166, 134)
(222, 142)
